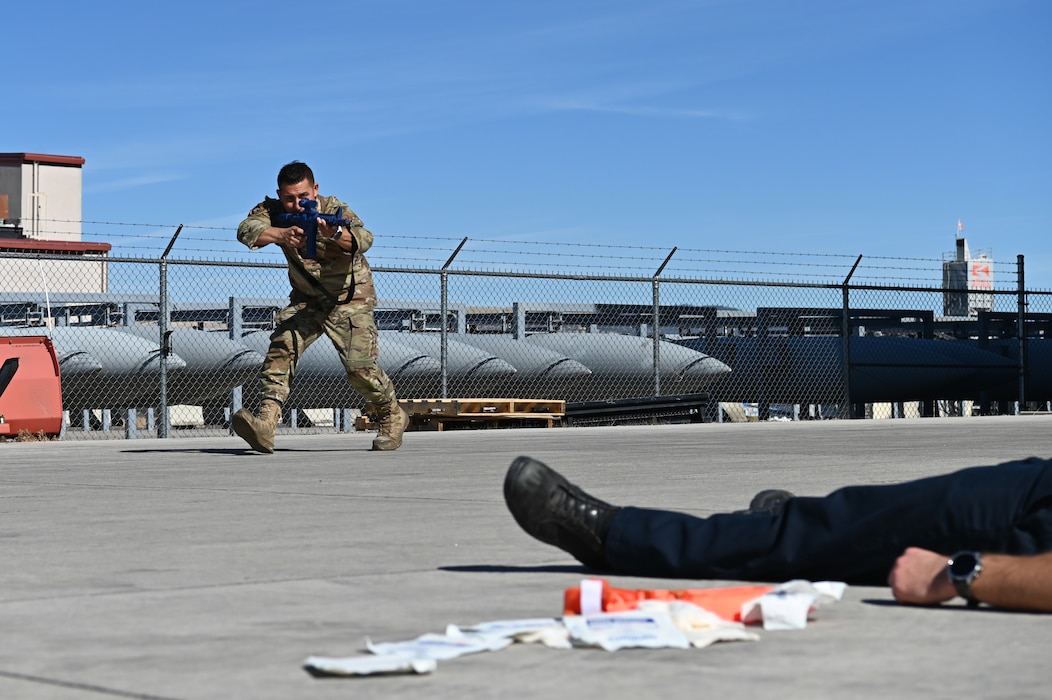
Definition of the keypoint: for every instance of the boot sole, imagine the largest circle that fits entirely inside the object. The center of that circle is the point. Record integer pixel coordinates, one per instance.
(529, 486)
(244, 430)
(393, 446)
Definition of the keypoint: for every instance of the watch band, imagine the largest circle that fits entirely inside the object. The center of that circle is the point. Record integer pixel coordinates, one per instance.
(339, 232)
(963, 568)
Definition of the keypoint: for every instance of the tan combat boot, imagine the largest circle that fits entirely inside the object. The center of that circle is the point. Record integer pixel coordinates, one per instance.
(393, 422)
(258, 432)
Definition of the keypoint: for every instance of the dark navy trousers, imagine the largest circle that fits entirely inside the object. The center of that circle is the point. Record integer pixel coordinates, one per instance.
(854, 534)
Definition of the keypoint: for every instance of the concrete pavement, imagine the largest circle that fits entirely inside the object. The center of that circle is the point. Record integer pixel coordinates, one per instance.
(193, 568)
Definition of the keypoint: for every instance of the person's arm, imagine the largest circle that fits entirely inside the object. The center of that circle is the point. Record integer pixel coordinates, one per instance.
(255, 231)
(346, 243)
(291, 237)
(1006, 581)
(355, 237)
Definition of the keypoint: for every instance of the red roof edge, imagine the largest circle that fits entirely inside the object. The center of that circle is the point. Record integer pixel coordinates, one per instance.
(22, 158)
(28, 244)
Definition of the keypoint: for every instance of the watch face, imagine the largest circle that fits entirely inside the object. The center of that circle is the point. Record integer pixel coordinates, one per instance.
(963, 565)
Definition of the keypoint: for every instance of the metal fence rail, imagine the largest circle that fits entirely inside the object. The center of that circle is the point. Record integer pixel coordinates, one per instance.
(189, 335)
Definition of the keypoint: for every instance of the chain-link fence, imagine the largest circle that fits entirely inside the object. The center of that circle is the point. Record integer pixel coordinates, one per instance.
(747, 336)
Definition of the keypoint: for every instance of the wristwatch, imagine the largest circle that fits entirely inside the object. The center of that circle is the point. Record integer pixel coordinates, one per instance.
(964, 568)
(339, 232)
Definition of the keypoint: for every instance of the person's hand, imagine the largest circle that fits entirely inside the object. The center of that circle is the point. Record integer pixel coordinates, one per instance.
(293, 236)
(325, 230)
(919, 577)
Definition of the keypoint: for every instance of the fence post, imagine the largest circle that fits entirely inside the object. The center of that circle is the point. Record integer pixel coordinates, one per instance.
(236, 327)
(845, 332)
(444, 312)
(518, 320)
(165, 428)
(657, 322)
(162, 324)
(1021, 332)
(131, 415)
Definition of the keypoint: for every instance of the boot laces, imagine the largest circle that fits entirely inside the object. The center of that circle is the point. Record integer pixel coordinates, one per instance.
(577, 506)
(387, 420)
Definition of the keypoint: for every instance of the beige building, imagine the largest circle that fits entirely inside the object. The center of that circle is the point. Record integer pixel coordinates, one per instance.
(40, 213)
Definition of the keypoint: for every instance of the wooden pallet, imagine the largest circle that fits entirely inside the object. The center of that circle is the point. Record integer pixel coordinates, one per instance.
(434, 414)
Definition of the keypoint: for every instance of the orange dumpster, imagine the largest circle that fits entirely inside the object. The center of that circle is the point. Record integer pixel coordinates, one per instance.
(30, 388)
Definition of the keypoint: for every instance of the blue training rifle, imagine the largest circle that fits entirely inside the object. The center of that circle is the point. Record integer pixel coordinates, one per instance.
(308, 221)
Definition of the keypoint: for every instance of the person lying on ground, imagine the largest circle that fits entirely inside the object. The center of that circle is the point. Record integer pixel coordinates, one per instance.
(984, 533)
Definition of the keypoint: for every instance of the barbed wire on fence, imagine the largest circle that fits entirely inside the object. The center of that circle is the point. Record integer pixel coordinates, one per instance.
(202, 242)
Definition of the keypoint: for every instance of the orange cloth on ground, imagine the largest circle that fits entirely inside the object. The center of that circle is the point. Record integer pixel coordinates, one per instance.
(725, 602)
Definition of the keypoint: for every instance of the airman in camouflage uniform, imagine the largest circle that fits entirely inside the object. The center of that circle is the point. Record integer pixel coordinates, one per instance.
(331, 294)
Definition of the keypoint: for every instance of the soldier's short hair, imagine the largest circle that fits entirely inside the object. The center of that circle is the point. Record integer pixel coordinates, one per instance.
(294, 172)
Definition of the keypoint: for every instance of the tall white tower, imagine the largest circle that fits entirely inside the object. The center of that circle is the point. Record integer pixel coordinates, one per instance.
(968, 281)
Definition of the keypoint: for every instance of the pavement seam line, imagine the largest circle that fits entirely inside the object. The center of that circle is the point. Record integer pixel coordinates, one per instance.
(82, 686)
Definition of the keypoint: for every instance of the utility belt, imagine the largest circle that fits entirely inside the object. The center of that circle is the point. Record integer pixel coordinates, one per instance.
(323, 295)
(322, 298)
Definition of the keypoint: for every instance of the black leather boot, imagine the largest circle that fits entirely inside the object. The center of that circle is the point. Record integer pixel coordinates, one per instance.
(556, 512)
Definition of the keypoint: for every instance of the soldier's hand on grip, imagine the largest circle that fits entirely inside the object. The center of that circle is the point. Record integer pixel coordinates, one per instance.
(294, 236)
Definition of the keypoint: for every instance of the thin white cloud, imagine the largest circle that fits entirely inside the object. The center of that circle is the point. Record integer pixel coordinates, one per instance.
(131, 183)
(570, 105)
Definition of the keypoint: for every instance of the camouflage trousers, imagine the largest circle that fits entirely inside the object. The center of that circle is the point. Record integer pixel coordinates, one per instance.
(352, 330)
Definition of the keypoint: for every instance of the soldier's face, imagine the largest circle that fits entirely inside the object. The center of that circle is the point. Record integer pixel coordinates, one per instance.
(290, 195)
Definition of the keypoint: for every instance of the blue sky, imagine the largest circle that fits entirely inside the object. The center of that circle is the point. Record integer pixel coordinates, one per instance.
(808, 126)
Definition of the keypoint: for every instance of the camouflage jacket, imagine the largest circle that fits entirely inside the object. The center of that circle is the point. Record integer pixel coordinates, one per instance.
(344, 274)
